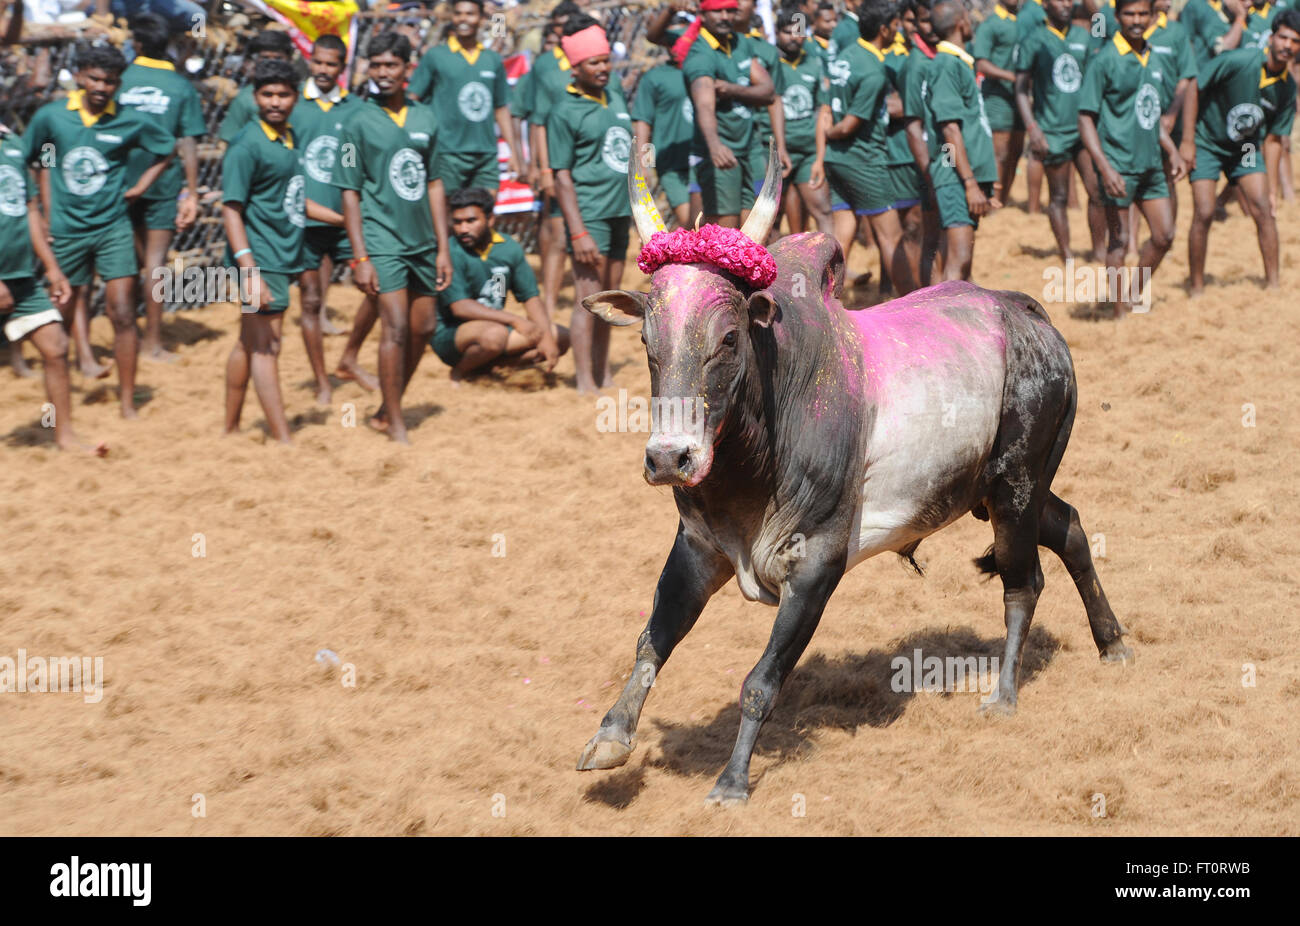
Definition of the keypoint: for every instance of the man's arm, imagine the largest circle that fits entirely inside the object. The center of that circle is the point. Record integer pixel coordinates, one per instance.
(232, 217)
(760, 92)
(1025, 106)
(438, 207)
(706, 118)
(585, 250)
(507, 127)
(363, 272)
(976, 201)
(151, 173)
(1237, 9)
(656, 30)
(60, 291)
(1272, 165)
(188, 209)
(1111, 181)
(989, 69)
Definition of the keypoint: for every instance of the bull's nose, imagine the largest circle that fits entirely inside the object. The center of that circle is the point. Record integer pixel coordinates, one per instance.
(670, 460)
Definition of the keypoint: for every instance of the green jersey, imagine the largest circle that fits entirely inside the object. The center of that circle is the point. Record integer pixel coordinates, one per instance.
(729, 61)
(17, 259)
(87, 159)
(388, 158)
(262, 170)
(519, 95)
(896, 147)
(1104, 24)
(1259, 26)
(916, 91)
(955, 97)
(663, 104)
(242, 110)
(1122, 90)
(845, 34)
(551, 78)
(766, 53)
(1241, 103)
(486, 276)
(859, 84)
(1206, 22)
(995, 41)
(1029, 17)
(317, 122)
(591, 138)
(1055, 62)
(465, 88)
(805, 93)
(155, 89)
(1174, 57)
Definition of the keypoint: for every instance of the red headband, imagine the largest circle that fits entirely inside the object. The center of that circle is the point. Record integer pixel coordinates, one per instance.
(587, 43)
(708, 6)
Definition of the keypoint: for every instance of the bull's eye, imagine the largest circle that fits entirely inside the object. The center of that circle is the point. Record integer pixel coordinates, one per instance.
(729, 339)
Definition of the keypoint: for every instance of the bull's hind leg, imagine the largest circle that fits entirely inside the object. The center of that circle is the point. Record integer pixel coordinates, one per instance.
(1015, 556)
(803, 598)
(1060, 531)
(694, 571)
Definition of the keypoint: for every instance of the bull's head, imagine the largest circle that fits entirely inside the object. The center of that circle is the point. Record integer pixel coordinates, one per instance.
(698, 320)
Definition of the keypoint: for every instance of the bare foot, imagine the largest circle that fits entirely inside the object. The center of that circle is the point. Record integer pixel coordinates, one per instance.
(588, 387)
(399, 437)
(1195, 292)
(327, 327)
(324, 395)
(129, 412)
(353, 372)
(74, 444)
(158, 353)
(378, 422)
(95, 370)
(19, 364)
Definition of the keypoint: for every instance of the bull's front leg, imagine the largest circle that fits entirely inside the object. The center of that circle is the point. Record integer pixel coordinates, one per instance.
(694, 571)
(803, 598)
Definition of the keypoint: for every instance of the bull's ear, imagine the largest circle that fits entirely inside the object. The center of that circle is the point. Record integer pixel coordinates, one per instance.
(616, 306)
(763, 309)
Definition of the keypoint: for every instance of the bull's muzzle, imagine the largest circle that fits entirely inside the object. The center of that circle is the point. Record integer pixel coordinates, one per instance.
(676, 460)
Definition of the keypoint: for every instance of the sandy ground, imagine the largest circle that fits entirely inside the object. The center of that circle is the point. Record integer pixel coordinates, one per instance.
(478, 678)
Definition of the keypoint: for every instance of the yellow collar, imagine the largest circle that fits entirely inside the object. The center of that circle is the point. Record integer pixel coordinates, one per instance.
(1265, 78)
(949, 48)
(561, 58)
(880, 55)
(153, 63)
(824, 43)
(1160, 23)
(756, 33)
(1055, 31)
(285, 137)
(75, 100)
(1261, 12)
(1216, 5)
(399, 117)
(602, 99)
(1003, 14)
(1123, 47)
(496, 239)
(471, 54)
(797, 61)
(312, 92)
(714, 43)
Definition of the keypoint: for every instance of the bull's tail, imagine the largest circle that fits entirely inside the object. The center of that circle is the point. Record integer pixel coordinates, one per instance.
(986, 564)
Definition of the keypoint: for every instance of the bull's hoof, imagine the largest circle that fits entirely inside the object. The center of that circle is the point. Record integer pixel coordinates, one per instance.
(603, 753)
(1117, 652)
(727, 796)
(998, 707)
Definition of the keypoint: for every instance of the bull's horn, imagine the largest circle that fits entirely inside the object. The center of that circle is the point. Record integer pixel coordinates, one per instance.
(644, 210)
(759, 224)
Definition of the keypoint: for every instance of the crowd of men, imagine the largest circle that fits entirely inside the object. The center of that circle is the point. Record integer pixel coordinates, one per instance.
(899, 123)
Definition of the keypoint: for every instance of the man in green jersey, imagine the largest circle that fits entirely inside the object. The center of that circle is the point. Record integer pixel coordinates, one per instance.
(1247, 103)
(1049, 67)
(322, 109)
(590, 145)
(962, 165)
(25, 309)
(267, 45)
(846, 32)
(474, 329)
(727, 81)
(1119, 123)
(465, 85)
(82, 148)
(769, 120)
(1030, 17)
(803, 76)
(914, 89)
(1214, 26)
(823, 26)
(152, 86)
(395, 212)
(264, 209)
(1178, 104)
(663, 115)
(995, 58)
(905, 180)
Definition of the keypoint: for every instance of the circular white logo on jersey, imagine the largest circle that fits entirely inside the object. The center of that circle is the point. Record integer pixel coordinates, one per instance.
(838, 70)
(406, 174)
(797, 102)
(295, 201)
(1066, 74)
(688, 110)
(617, 148)
(1244, 120)
(84, 171)
(1147, 106)
(319, 158)
(475, 101)
(13, 192)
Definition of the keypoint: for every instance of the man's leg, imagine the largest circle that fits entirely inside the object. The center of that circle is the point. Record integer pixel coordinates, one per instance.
(325, 277)
(1198, 236)
(611, 277)
(913, 224)
(313, 306)
(394, 332)
(1034, 171)
(961, 252)
(237, 377)
(1255, 186)
(152, 245)
(587, 281)
(52, 342)
(1058, 193)
(18, 364)
(424, 321)
(816, 201)
(551, 243)
(350, 363)
(261, 335)
(90, 367)
(119, 300)
(1007, 148)
(888, 232)
(479, 344)
(1096, 208)
(1160, 220)
(793, 207)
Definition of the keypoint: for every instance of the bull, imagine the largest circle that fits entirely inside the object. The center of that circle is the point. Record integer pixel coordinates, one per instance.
(830, 436)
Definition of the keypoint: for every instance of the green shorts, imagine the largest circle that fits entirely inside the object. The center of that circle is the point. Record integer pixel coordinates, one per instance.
(726, 192)
(443, 342)
(415, 272)
(321, 241)
(109, 253)
(904, 185)
(1210, 164)
(278, 283)
(677, 185)
(863, 186)
(1002, 113)
(611, 235)
(1061, 148)
(951, 201)
(153, 214)
(801, 163)
(461, 171)
(31, 309)
(1149, 184)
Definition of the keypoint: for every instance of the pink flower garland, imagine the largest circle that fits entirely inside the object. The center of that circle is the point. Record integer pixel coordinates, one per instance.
(727, 248)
